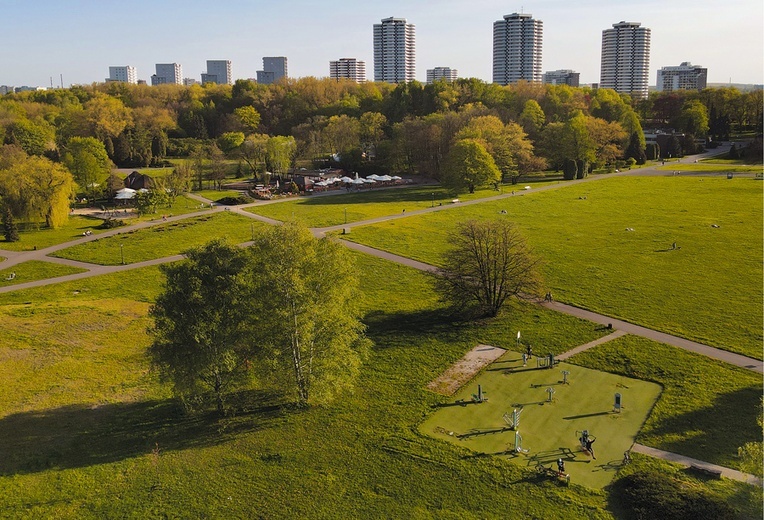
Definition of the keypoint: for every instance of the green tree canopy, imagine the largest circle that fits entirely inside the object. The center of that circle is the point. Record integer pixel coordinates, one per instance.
(88, 161)
(306, 296)
(201, 338)
(468, 166)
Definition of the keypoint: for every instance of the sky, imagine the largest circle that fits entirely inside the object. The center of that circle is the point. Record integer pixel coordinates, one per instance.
(45, 40)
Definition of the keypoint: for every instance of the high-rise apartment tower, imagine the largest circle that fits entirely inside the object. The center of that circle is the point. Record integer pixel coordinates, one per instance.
(348, 68)
(126, 74)
(168, 73)
(684, 77)
(394, 51)
(517, 43)
(218, 71)
(274, 68)
(445, 73)
(626, 58)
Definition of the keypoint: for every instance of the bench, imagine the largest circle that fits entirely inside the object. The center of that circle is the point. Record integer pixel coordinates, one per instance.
(705, 470)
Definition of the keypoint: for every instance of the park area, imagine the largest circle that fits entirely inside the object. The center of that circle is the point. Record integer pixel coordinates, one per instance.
(535, 413)
(91, 431)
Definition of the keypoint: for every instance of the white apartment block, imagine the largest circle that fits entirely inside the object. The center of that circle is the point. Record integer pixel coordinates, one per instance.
(626, 58)
(274, 68)
(348, 68)
(445, 73)
(517, 44)
(394, 51)
(168, 73)
(218, 71)
(562, 77)
(684, 77)
(126, 74)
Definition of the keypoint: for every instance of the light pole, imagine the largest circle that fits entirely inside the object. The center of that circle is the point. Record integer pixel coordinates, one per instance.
(252, 225)
(346, 215)
(433, 200)
(122, 252)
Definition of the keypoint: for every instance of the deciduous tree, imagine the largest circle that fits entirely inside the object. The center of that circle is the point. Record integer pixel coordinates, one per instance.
(468, 166)
(200, 338)
(489, 262)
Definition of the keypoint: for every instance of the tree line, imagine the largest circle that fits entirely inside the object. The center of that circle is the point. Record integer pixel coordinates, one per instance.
(370, 128)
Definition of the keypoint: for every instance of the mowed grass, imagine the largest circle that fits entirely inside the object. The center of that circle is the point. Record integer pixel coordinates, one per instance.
(331, 210)
(88, 412)
(32, 239)
(34, 270)
(706, 167)
(215, 195)
(707, 408)
(549, 428)
(709, 289)
(163, 239)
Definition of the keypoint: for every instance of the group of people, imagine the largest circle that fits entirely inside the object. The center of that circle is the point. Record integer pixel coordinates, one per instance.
(548, 297)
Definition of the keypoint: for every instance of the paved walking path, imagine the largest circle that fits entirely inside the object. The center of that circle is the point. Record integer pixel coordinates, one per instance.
(690, 462)
(587, 346)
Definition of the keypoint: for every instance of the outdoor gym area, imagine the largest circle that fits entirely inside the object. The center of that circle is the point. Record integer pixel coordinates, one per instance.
(542, 414)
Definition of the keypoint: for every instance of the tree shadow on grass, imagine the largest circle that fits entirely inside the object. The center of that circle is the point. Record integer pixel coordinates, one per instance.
(398, 325)
(716, 430)
(77, 435)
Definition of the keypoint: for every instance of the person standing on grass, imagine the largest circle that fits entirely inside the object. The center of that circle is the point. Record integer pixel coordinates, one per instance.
(589, 448)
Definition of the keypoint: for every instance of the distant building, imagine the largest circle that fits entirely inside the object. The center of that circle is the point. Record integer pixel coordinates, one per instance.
(561, 77)
(274, 68)
(6, 89)
(394, 51)
(684, 77)
(187, 82)
(26, 88)
(218, 71)
(626, 58)
(517, 42)
(126, 74)
(168, 73)
(445, 73)
(348, 68)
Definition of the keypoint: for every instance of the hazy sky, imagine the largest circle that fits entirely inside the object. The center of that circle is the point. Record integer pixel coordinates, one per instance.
(82, 38)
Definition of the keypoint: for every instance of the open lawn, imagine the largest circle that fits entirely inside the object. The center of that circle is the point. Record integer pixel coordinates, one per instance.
(89, 432)
(550, 429)
(332, 210)
(707, 167)
(75, 226)
(607, 246)
(34, 270)
(163, 239)
(707, 409)
(215, 195)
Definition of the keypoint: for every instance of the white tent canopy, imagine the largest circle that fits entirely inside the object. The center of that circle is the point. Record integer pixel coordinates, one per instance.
(125, 194)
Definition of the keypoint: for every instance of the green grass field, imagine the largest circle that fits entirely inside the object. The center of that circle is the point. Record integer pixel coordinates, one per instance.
(324, 211)
(76, 225)
(549, 429)
(89, 431)
(708, 290)
(34, 270)
(162, 240)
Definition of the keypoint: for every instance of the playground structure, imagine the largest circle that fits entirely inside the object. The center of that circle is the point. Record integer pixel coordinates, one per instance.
(521, 424)
(548, 471)
(513, 419)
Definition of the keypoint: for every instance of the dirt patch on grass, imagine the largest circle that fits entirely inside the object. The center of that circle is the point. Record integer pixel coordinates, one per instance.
(465, 369)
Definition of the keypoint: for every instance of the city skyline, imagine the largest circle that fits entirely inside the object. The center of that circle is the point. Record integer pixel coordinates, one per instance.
(78, 40)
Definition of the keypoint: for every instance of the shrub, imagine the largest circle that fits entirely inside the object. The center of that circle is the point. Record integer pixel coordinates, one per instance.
(111, 223)
(234, 201)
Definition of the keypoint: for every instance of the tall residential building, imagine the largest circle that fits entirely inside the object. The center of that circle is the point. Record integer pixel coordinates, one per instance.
(684, 77)
(348, 68)
(126, 74)
(168, 73)
(446, 73)
(626, 58)
(517, 49)
(561, 77)
(274, 68)
(218, 71)
(394, 51)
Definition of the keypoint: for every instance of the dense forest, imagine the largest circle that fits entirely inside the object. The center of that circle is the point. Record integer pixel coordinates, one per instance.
(370, 128)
